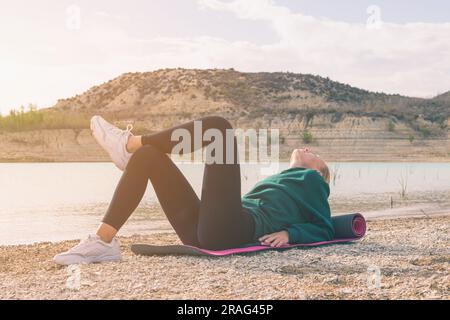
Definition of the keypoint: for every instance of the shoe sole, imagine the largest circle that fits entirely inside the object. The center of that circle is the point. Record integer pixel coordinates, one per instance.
(97, 126)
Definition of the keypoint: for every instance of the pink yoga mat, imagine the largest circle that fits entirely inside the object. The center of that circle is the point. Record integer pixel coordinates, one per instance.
(353, 226)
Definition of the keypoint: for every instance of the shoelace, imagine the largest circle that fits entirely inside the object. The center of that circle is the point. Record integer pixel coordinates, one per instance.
(129, 129)
(115, 129)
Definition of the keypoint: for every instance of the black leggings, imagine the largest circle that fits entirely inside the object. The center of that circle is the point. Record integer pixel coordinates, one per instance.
(217, 221)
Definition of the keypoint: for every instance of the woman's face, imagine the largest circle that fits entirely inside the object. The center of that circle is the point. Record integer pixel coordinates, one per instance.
(305, 158)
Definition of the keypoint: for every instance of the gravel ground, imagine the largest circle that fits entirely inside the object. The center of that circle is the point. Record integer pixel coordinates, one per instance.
(410, 255)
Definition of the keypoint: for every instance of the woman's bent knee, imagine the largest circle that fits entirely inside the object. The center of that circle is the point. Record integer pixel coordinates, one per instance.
(143, 156)
(218, 122)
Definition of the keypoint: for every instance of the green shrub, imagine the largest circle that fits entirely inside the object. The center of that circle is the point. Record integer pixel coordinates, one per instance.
(33, 119)
(307, 137)
(426, 132)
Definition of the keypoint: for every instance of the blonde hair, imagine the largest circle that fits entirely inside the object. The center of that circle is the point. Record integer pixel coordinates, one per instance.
(325, 171)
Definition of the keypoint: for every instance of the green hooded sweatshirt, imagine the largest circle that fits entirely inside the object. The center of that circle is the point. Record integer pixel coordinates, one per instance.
(295, 200)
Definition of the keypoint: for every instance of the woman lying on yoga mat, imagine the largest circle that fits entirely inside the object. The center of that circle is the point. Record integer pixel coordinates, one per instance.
(290, 207)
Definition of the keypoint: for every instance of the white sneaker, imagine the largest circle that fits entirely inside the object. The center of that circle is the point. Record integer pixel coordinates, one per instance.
(113, 140)
(91, 250)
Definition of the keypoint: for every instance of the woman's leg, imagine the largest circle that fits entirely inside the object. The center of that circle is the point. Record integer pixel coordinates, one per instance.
(222, 222)
(175, 194)
(163, 140)
(218, 222)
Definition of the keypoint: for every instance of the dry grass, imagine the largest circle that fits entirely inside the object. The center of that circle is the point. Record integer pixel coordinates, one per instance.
(21, 120)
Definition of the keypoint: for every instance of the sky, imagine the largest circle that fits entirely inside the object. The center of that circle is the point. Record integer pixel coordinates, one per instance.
(53, 49)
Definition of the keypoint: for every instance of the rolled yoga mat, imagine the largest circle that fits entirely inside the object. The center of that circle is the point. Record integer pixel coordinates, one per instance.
(348, 228)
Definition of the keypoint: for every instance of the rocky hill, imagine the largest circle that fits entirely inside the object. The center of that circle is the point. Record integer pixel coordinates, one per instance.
(445, 97)
(339, 121)
(179, 92)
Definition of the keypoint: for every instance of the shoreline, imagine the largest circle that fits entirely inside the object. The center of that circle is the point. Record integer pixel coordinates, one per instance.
(67, 145)
(411, 256)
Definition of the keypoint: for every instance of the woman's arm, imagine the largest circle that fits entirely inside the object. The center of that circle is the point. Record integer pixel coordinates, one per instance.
(300, 233)
(303, 233)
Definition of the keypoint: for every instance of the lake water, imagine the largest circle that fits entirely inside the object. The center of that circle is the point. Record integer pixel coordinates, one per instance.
(53, 202)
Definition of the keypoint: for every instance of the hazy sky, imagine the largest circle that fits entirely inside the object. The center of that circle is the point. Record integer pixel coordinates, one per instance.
(53, 49)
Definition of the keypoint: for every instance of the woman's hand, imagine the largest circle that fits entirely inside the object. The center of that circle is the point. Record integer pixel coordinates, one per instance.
(275, 240)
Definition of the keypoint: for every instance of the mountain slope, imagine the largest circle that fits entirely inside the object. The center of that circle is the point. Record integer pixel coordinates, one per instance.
(175, 92)
(445, 97)
(343, 123)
